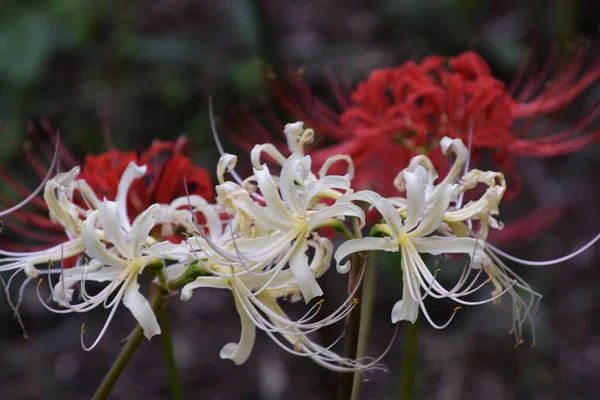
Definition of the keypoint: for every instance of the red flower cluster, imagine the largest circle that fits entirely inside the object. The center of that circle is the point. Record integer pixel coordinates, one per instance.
(164, 181)
(400, 112)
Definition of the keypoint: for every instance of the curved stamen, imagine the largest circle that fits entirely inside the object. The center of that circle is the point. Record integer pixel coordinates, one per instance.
(37, 190)
(549, 262)
(213, 128)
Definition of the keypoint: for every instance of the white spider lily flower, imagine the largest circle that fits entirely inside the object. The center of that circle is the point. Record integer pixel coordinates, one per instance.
(119, 265)
(256, 298)
(427, 210)
(411, 238)
(288, 218)
(482, 209)
(460, 217)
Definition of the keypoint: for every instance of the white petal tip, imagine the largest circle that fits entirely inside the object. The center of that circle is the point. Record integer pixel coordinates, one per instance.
(31, 271)
(343, 268)
(445, 144)
(229, 352)
(396, 311)
(186, 294)
(294, 127)
(140, 169)
(150, 334)
(309, 296)
(400, 314)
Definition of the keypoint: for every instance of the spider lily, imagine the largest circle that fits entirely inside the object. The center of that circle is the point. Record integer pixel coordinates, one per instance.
(100, 222)
(256, 297)
(88, 229)
(293, 211)
(410, 227)
(119, 266)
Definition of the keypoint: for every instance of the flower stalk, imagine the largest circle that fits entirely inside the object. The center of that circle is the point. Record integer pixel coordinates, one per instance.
(366, 313)
(158, 304)
(406, 388)
(167, 345)
(357, 264)
(110, 379)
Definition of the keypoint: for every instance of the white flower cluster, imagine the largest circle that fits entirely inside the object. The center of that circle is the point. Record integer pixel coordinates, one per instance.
(263, 241)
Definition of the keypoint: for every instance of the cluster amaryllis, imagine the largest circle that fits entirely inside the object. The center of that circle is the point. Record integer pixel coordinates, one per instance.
(398, 113)
(261, 239)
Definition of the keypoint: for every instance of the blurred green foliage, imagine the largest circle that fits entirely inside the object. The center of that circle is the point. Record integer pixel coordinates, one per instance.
(69, 60)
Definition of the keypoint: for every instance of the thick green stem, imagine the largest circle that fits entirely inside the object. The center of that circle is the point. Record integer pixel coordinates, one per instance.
(167, 344)
(157, 303)
(352, 328)
(366, 312)
(109, 381)
(409, 360)
(411, 343)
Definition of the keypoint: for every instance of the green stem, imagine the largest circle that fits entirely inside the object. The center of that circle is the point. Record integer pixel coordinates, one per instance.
(411, 343)
(352, 329)
(366, 312)
(109, 381)
(167, 344)
(409, 360)
(157, 303)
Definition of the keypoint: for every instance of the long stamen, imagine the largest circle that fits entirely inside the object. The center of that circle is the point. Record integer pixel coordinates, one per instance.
(213, 127)
(549, 262)
(33, 194)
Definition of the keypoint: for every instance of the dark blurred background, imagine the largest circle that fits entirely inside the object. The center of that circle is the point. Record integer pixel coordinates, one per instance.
(143, 70)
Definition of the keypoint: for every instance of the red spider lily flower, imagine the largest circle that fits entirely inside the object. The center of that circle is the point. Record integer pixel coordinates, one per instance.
(400, 112)
(164, 181)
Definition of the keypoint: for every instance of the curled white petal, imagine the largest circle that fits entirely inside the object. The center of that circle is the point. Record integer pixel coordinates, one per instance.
(226, 163)
(239, 352)
(140, 308)
(335, 159)
(132, 172)
(300, 268)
